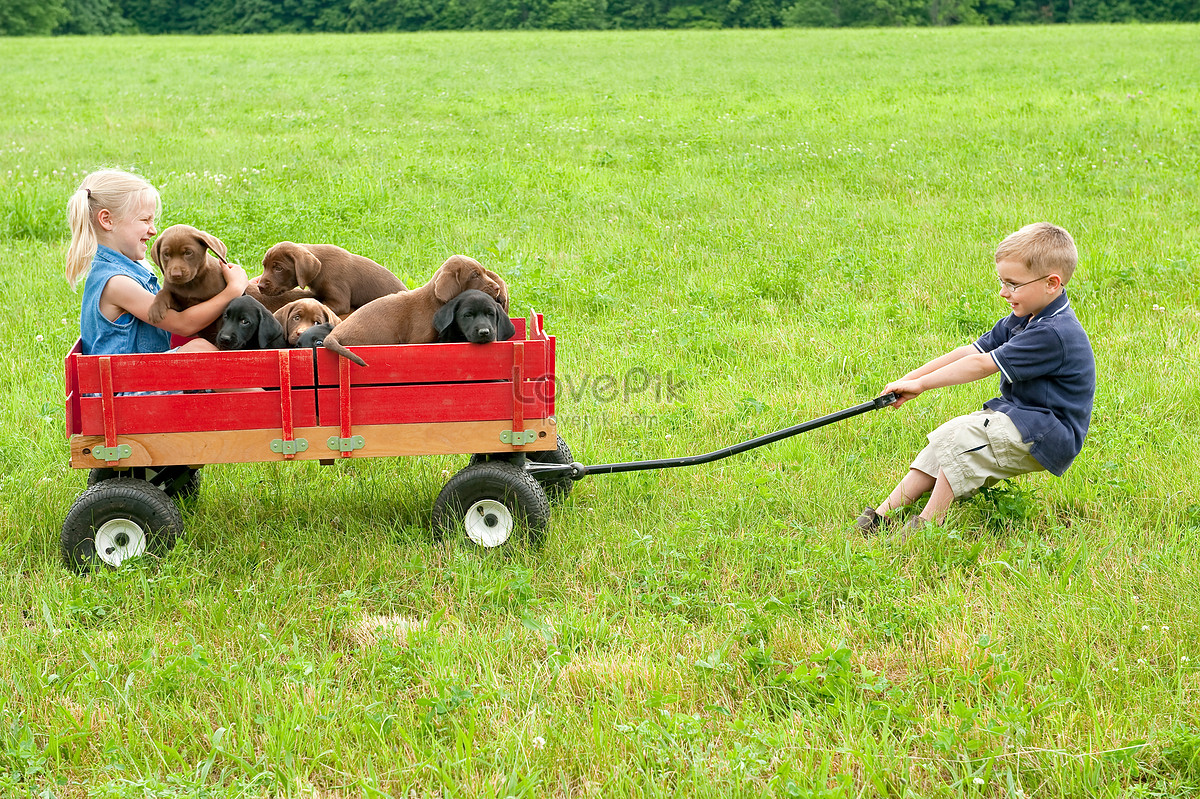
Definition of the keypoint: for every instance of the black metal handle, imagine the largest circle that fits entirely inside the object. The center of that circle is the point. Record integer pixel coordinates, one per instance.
(578, 471)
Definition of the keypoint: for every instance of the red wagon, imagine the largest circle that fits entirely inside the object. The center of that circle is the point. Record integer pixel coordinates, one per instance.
(145, 425)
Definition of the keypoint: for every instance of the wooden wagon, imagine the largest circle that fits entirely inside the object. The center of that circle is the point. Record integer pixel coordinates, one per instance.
(145, 425)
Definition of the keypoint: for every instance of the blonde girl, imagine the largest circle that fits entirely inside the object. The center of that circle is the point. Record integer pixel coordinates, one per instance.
(112, 216)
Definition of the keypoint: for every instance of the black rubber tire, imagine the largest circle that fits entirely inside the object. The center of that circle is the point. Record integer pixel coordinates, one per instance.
(557, 486)
(508, 501)
(180, 483)
(126, 502)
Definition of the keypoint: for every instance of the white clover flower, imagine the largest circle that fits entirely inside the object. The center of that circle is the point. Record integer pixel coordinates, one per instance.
(39, 337)
(978, 780)
(539, 742)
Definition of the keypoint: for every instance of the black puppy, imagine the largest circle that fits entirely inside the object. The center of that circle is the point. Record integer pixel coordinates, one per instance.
(248, 325)
(313, 336)
(475, 317)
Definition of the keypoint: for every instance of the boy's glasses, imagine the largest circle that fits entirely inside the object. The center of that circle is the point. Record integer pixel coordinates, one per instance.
(1012, 287)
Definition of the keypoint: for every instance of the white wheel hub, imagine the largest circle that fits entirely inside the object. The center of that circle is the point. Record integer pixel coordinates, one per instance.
(489, 523)
(118, 540)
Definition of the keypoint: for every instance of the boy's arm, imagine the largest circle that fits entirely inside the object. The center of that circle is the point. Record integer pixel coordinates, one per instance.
(126, 295)
(944, 360)
(963, 365)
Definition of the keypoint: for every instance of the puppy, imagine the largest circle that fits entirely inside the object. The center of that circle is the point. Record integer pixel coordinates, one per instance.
(273, 302)
(475, 317)
(300, 315)
(248, 325)
(407, 316)
(339, 278)
(314, 336)
(190, 274)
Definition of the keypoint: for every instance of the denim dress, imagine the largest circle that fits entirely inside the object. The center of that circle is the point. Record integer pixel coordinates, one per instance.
(128, 334)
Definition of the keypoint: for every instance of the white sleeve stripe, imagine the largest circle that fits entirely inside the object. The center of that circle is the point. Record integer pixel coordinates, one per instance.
(977, 347)
(1000, 366)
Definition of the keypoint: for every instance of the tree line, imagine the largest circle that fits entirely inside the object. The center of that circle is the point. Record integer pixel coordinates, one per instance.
(84, 17)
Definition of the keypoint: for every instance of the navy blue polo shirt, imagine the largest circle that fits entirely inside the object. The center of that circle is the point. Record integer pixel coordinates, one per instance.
(1047, 380)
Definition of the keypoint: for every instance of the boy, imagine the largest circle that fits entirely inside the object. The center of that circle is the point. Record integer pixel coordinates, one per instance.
(1047, 382)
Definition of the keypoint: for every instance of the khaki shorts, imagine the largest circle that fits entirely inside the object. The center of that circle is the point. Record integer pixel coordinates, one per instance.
(976, 450)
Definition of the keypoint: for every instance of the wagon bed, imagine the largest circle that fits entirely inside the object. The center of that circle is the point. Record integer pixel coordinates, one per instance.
(421, 399)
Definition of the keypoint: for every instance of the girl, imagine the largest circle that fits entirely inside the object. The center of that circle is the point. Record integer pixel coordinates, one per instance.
(112, 217)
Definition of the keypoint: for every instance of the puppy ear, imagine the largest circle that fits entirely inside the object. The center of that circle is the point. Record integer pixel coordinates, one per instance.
(308, 266)
(281, 314)
(450, 278)
(268, 328)
(505, 329)
(213, 243)
(330, 316)
(445, 316)
(501, 294)
(156, 252)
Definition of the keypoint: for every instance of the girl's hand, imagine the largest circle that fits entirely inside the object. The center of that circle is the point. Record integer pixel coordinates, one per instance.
(236, 279)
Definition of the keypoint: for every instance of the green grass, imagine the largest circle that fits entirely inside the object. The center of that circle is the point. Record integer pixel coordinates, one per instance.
(728, 232)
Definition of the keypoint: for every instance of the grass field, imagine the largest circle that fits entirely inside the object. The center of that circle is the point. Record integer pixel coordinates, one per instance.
(728, 232)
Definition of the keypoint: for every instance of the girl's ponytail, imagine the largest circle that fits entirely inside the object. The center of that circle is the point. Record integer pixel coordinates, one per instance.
(118, 192)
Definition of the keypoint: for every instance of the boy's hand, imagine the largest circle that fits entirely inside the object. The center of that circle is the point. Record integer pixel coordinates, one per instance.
(904, 391)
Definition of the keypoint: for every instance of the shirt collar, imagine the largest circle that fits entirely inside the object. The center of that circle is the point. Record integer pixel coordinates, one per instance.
(112, 256)
(1057, 306)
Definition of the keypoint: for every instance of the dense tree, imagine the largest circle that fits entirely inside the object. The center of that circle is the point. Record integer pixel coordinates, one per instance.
(31, 17)
(40, 17)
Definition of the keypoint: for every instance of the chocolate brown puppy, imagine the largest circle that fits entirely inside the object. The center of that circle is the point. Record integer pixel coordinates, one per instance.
(337, 277)
(191, 274)
(300, 315)
(407, 316)
(273, 302)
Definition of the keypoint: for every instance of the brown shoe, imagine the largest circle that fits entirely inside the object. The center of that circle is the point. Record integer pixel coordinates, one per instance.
(915, 525)
(869, 521)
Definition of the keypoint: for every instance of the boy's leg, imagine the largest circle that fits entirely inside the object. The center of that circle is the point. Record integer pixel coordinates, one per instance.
(940, 499)
(908, 490)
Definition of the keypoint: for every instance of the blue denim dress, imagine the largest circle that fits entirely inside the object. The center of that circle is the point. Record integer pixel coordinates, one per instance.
(128, 334)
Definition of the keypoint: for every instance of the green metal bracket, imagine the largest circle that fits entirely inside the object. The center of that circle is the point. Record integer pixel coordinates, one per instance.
(518, 438)
(289, 447)
(111, 454)
(346, 444)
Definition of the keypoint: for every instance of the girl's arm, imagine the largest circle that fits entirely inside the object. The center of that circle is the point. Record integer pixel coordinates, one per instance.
(123, 294)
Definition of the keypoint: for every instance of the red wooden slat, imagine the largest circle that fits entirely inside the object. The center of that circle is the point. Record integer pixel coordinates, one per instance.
(108, 402)
(285, 397)
(189, 413)
(518, 386)
(344, 399)
(444, 402)
(433, 363)
(191, 371)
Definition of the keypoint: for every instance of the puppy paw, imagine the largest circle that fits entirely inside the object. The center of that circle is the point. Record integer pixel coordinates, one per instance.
(158, 312)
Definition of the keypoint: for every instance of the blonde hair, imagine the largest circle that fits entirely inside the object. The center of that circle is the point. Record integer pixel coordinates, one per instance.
(120, 193)
(1044, 248)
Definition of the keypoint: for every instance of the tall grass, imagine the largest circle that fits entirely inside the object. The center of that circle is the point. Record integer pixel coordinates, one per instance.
(728, 232)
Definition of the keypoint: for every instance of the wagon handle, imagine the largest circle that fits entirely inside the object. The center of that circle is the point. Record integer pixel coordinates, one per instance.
(577, 471)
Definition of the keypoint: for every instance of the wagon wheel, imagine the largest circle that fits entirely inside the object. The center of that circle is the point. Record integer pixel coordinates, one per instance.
(487, 503)
(181, 483)
(116, 520)
(556, 484)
